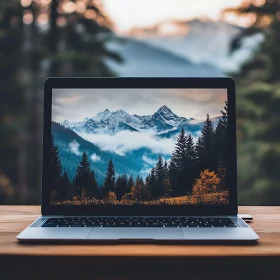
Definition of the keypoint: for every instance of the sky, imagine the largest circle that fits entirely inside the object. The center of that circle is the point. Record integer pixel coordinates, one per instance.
(78, 104)
(131, 13)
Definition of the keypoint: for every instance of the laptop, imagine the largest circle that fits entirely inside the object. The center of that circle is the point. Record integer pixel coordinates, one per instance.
(139, 159)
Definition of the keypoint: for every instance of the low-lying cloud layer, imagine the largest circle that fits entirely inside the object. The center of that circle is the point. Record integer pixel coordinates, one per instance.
(126, 141)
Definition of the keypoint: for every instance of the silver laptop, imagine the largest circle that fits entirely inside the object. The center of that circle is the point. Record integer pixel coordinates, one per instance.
(139, 159)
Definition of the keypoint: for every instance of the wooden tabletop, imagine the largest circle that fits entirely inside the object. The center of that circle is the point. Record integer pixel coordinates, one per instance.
(14, 219)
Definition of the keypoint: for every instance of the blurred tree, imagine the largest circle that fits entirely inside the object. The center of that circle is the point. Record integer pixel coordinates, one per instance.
(39, 39)
(258, 106)
(266, 14)
(77, 38)
(11, 93)
(259, 149)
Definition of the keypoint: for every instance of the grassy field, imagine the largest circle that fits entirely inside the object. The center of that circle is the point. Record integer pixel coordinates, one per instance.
(206, 199)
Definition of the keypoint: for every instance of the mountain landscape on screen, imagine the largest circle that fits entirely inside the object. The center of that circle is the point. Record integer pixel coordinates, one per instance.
(118, 157)
(161, 123)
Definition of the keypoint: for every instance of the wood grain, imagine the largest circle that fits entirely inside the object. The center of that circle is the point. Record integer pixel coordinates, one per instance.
(123, 259)
(13, 219)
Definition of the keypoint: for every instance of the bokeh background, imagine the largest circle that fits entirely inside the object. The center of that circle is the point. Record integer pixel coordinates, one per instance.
(103, 38)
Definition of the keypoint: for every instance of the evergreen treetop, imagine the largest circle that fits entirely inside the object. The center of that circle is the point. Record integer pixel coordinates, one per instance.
(85, 180)
(55, 166)
(109, 182)
(180, 150)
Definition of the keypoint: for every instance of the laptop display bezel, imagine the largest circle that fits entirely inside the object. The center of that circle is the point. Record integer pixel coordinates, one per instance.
(148, 83)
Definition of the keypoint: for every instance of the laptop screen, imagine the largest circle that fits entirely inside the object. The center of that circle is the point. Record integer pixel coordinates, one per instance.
(144, 147)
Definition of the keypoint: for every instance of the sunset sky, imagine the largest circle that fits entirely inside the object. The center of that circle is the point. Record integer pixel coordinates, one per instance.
(130, 13)
(78, 104)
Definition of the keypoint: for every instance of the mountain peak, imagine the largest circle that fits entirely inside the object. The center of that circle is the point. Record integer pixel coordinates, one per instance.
(164, 107)
(165, 110)
(121, 111)
(102, 116)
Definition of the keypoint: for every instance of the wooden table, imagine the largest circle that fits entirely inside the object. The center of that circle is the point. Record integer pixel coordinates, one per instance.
(125, 261)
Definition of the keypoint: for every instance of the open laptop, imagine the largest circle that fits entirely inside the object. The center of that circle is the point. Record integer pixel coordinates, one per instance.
(139, 159)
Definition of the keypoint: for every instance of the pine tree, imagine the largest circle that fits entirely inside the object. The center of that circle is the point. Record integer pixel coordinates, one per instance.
(190, 170)
(205, 149)
(130, 183)
(222, 173)
(14, 157)
(152, 184)
(160, 176)
(178, 164)
(118, 188)
(222, 132)
(148, 182)
(65, 190)
(92, 189)
(140, 192)
(221, 146)
(124, 186)
(173, 177)
(167, 184)
(121, 186)
(55, 167)
(180, 151)
(264, 64)
(85, 179)
(109, 181)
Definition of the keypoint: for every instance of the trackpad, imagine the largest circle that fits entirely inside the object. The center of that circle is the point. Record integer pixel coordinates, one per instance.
(136, 233)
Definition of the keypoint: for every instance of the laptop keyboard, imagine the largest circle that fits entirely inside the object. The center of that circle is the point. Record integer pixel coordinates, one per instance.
(139, 222)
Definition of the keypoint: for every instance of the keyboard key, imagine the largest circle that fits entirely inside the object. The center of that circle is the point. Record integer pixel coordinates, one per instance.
(79, 225)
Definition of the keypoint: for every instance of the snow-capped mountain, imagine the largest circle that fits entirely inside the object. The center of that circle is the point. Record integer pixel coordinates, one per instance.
(107, 122)
(164, 119)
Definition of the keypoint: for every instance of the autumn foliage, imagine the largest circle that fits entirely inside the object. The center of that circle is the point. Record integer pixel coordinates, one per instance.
(205, 185)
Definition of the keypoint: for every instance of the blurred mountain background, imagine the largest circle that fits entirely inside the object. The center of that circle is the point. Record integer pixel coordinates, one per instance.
(41, 38)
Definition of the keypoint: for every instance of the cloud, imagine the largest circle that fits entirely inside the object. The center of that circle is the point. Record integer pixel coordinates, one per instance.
(95, 158)
(145, 172)
(149, 160)
(126, 141)
(74, 147)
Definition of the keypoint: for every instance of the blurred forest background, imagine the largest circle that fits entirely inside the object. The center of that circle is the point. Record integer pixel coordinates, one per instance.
(41, 38)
